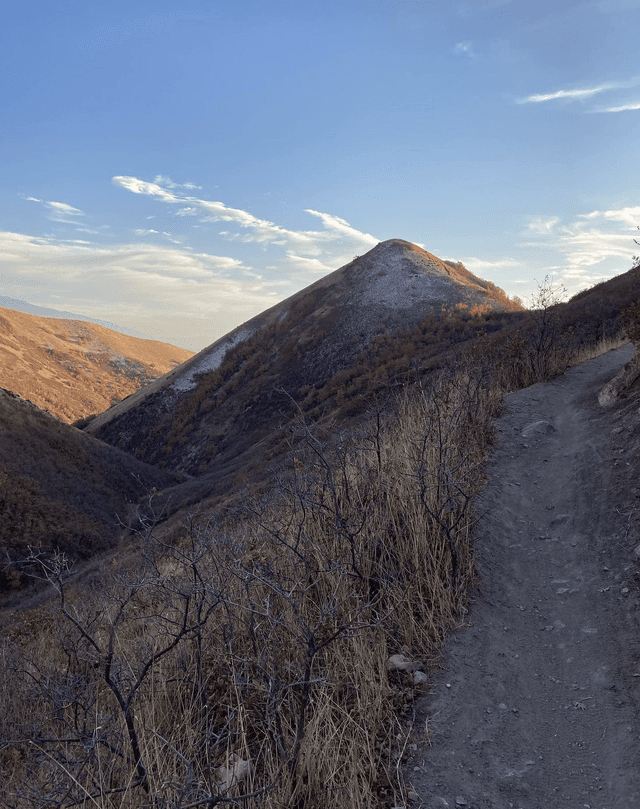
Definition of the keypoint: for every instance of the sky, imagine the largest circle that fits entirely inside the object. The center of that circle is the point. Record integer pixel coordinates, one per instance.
(178, 167)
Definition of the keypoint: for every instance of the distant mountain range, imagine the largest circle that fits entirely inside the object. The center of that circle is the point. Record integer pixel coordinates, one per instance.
(43, 311)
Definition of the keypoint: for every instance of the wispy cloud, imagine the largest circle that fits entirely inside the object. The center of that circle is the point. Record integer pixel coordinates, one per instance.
(254, 229)
(595, 246)
(630, 216)
(543, 225)
(168, 183)
(587, 93)
(583, 93)
(623, 108)
(464, 49)
(59, 211)
(480, 265)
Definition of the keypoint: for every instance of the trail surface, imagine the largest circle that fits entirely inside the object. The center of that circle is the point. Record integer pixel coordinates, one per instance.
(535, 707)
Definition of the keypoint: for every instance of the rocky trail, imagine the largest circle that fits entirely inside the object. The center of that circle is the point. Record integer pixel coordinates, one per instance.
(536, 704)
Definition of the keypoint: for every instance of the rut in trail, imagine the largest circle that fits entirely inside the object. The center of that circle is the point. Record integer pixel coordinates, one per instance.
(535, 707)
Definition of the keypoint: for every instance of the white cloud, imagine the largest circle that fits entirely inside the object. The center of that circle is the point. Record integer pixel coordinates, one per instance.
(464, 49)
(256, 230)
(586, 93)
(59, 211)
(572, 94)
(629, 215)
(623, 108)
(168, 183)
(310, 264)
(478, 265)
(542, 225)
(597, 239)
(341, 226)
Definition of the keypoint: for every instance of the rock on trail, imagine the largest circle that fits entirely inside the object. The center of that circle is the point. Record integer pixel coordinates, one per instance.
(536, 705)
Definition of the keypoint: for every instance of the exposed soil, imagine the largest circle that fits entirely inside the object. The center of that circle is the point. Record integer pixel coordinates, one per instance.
(536, 705)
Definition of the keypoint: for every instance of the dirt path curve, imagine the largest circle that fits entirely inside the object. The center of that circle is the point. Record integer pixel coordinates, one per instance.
(535, 707)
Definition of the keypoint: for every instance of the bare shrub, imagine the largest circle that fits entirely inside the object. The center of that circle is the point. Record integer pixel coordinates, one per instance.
(249, 665)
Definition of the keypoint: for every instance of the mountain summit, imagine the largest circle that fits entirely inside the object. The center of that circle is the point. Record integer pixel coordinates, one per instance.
(235, 391)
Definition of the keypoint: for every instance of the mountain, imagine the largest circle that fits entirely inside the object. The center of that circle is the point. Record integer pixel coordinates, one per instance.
(73, 368)
(44, 311)
(268, 656)
(325, 343)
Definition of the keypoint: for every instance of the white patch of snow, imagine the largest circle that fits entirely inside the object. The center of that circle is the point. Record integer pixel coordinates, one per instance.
(209, 362)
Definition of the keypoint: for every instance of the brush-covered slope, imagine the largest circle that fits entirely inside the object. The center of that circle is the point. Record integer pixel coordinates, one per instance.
(60, 488)
(234, 392)
(72, 368)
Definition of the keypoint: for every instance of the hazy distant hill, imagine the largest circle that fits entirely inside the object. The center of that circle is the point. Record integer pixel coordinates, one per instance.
(73, 368)
(61, 314)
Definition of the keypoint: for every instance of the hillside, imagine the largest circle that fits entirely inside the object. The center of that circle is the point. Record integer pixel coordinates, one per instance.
(266, 644)
(319, 346)
(73, 368)
(61, 489)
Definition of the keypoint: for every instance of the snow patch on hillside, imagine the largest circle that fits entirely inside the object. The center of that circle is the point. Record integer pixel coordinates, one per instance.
(209, 362)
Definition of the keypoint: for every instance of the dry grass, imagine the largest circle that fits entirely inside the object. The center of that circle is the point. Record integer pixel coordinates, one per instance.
(259, 650)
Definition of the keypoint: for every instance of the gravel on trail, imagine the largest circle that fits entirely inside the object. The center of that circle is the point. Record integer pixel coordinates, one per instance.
(535, 706)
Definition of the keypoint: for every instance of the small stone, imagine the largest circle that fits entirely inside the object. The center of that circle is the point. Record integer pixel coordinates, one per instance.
(412, 796)
(624, 590)
(401, 663)
(460, 801)
(420, 678)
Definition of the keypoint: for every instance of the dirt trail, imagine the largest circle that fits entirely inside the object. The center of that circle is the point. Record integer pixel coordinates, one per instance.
(536, 705)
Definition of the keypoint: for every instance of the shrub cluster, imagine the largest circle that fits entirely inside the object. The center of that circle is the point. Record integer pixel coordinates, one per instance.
(249, 661)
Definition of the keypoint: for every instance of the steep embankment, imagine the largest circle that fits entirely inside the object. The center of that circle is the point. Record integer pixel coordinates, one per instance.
(537, 704)
(72, 368)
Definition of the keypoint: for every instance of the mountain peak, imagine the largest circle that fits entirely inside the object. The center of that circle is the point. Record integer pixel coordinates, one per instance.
(330, 332)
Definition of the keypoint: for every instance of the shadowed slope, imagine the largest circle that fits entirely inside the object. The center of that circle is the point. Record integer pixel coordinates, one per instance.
(61, 489)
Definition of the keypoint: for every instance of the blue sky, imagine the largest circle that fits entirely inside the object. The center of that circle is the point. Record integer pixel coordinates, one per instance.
(177, 167)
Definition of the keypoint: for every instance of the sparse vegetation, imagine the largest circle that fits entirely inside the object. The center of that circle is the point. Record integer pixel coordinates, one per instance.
(241, 657)
(264, 641)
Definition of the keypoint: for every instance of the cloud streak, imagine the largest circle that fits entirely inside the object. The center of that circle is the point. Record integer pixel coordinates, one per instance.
(584, 94)
(623, 108)
(255, 229)
(595, 246)
(59, 211)
(578, 94)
